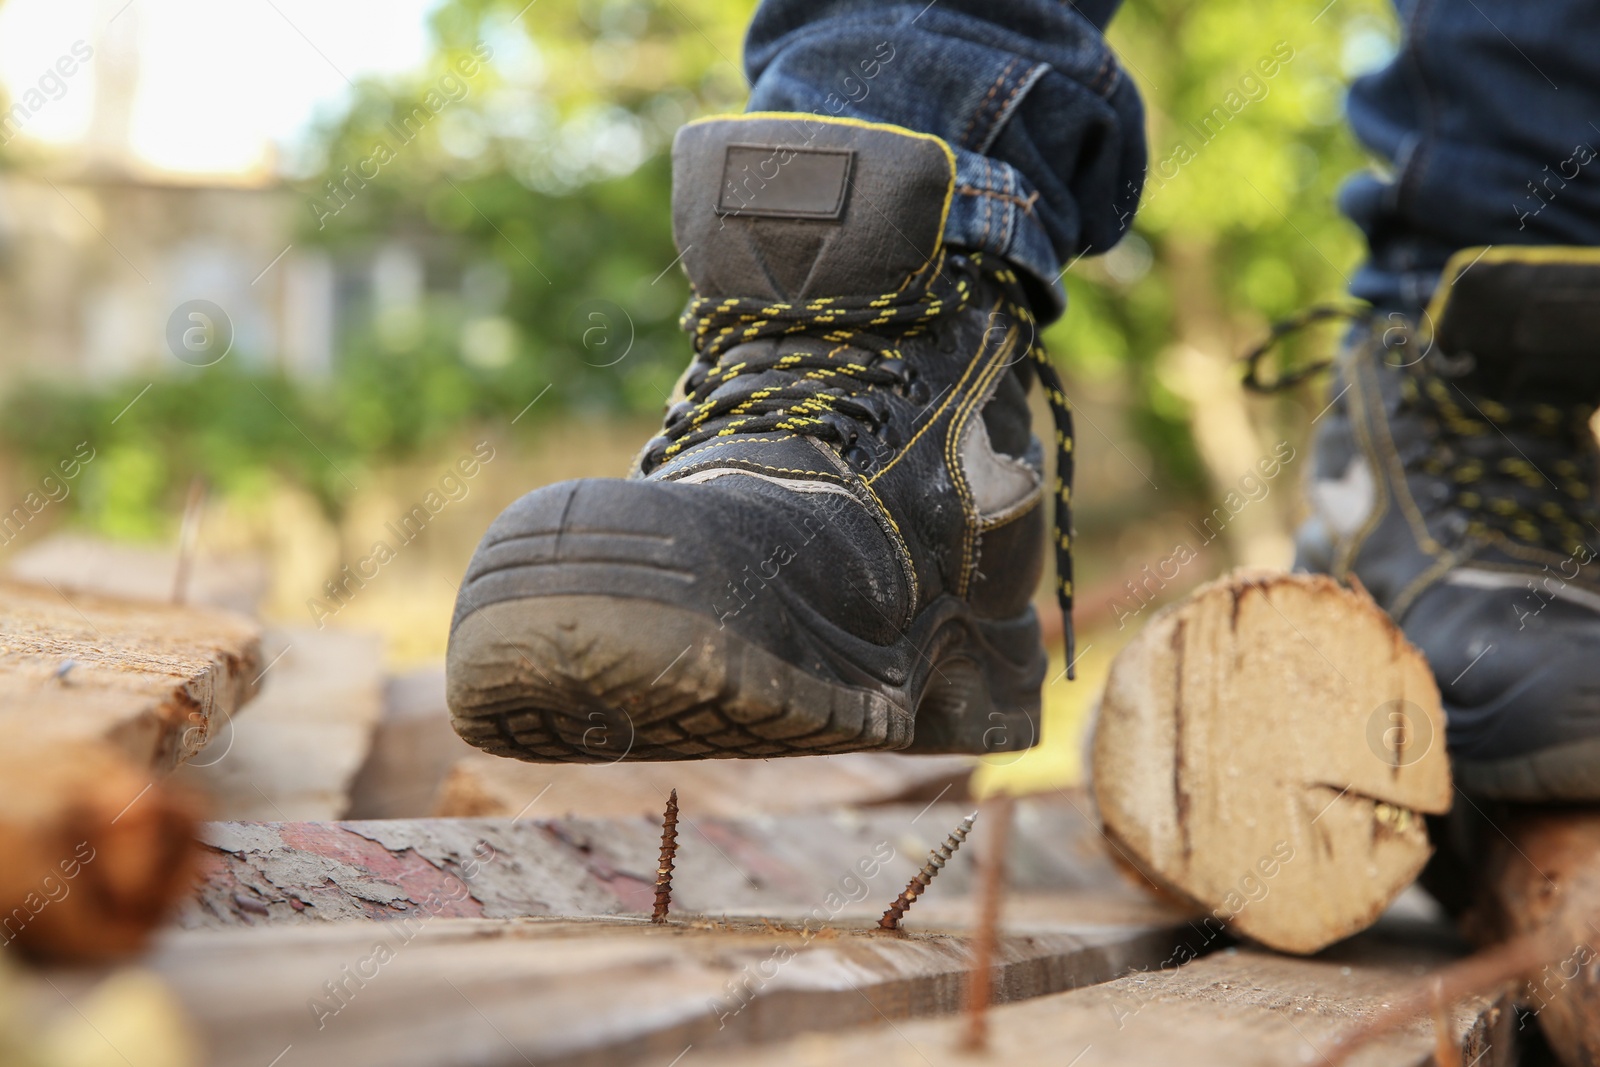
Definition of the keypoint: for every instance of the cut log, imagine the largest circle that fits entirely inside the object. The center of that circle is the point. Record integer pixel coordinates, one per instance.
(94, 854)
(1233, 1007)
(1266, 748)
(1540, 874)
(297, 752)
(151, 680)
(481, 785)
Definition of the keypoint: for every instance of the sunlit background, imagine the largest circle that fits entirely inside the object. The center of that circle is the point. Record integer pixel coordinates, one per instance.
(506, 277)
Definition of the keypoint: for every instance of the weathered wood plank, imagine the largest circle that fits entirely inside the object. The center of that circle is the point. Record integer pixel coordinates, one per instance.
(98, 696)
(271, 873)
(151, 680)
(483, 785)
(1234, 1008)
(561, 993)
(76, 562)
(773, 932)
(296, 753)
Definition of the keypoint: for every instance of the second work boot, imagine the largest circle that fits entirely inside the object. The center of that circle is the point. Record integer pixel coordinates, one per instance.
(1455, 478)
(835, 540)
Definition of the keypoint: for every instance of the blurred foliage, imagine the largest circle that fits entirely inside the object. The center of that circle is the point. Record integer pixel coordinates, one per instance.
(1237, 224)
(535, 184)
(544, 180)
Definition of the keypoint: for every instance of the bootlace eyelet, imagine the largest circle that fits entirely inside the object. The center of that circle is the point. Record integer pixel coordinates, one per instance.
(899, 368)
(859, 458)
(654, 448)
(917, 391)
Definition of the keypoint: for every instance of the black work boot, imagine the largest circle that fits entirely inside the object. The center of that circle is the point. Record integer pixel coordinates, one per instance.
(1454, 477)
(834, 542)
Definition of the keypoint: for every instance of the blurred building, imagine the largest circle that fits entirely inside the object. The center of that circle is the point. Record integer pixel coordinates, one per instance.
(96, 253)
(98, 250)
(94, 261)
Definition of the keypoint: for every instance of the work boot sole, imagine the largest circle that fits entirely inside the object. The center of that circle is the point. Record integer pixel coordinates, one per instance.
(598, 678)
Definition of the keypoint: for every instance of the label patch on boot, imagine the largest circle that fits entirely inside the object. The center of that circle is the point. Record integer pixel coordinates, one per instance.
(778, 182)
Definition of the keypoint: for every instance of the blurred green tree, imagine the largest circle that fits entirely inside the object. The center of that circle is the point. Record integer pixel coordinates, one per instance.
(526, 165)
(1237, 227)
(529, 157)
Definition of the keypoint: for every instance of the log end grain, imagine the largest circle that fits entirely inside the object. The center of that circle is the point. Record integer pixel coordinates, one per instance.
(1267, 748)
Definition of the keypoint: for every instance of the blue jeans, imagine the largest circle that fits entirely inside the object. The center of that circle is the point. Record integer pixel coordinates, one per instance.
(1490, 135)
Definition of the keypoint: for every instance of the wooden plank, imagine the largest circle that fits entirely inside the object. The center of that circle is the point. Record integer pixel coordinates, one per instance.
(75, 562)
(564, 992)
(296, 753)
(291, 873)
(772, 932)
(413, 749)
(1238, 1006)
(150, 680)
(483, 785)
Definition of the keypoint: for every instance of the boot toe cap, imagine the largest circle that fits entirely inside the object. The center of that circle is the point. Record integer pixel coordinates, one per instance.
(748, 556)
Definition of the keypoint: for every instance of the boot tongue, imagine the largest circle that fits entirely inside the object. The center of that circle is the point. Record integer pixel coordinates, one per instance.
(793, 206)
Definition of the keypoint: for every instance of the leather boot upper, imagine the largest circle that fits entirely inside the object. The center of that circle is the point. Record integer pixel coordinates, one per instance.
(852, 441)
(1454, 476)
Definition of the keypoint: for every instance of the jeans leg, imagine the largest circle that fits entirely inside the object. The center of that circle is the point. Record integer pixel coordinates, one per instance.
(1048, 132)
(1489, 117)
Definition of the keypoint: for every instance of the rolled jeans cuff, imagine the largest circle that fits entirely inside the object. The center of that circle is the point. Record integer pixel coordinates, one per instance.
(993, 211)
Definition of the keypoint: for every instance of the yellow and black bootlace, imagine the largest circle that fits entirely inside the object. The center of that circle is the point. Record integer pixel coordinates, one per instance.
(1520, 471)
(827, 393)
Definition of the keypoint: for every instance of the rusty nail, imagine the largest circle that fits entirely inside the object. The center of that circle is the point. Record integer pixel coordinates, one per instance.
(990, 889)
(1446, 1052)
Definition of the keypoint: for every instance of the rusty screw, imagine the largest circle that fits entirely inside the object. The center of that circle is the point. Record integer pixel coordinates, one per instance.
(936, 861)
(669, 849)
